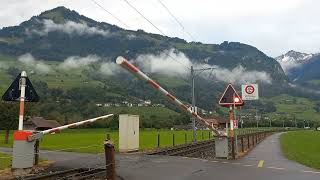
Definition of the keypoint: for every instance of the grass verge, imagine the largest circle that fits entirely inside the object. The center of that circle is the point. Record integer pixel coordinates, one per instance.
(303, 147)
(5, 161)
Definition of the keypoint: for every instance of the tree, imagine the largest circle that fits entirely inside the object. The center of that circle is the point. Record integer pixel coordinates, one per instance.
(8, 118)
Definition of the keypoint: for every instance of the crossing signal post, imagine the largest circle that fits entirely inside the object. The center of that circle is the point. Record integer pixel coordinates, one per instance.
(21, 90)
(231, 99)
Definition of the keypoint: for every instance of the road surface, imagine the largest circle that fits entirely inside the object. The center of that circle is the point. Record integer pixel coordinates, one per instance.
(265, 162)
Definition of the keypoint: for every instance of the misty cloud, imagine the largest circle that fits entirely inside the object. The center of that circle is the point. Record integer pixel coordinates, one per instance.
(38, 66)
(164, 64)
(287, 65)
(109, 68)
(169, 62)
(69, 27)
(239, 75)
(75, 62)
(3, 65)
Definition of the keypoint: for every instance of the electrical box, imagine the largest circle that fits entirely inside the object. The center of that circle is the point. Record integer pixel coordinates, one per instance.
(128, 133)
(221, 147)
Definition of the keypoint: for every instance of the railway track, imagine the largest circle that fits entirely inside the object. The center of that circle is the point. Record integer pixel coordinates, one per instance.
(185, 149)
(71, 174)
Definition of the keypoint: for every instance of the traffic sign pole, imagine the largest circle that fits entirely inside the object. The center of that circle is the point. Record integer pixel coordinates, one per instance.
(22, 98)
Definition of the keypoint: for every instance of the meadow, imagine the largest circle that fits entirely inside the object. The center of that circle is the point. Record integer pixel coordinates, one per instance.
(91, 140)
(302, 146)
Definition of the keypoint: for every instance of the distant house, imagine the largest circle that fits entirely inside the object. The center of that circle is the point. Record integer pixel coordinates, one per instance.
(39, 124)
(99, 105)
(147, 103)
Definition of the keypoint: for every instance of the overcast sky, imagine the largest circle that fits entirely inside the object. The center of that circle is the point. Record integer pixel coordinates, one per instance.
(273, 26)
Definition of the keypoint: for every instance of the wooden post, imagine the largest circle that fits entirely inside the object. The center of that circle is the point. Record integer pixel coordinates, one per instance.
(108, 137)
(242, 144)
(6, 139)
(110, 160)
(36, 152)
(253, 140)
(158, 139)
(209, 135)
(233, 148)
(248, 138)
(173, 143)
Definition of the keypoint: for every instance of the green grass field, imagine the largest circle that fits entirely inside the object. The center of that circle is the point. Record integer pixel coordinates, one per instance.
(5, 161)
(289, 106)
(303, 147)
(91, 140)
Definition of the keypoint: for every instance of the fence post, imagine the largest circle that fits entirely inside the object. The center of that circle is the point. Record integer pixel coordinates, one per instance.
(110, 160)
(36, 151)
(253, 140)
(108, 137)
(242, 145)
(248, 138)
(158, 139)
(209, 135)
(233, 148)
(173, 143)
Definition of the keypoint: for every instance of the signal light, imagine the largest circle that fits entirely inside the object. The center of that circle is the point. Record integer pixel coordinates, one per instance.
(236, 99)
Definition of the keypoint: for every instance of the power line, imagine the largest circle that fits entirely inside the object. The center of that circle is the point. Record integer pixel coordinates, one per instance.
(175, 18)
(148, 20)
(110, 13)
(144, 17)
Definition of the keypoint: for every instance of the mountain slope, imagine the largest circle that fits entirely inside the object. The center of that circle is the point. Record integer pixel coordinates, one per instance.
(294, 56)
(59, 33)
(301, 67)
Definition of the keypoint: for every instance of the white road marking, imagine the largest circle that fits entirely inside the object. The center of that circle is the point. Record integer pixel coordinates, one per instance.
(278, 168)
(314, 172)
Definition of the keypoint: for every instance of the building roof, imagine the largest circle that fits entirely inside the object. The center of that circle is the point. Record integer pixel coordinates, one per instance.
(41, 122)
(218, 120)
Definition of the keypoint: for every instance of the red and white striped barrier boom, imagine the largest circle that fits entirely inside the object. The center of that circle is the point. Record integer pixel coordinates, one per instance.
(73, 125)
(133, 69)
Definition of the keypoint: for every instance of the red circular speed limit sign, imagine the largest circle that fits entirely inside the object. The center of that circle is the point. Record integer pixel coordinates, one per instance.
(249, 89)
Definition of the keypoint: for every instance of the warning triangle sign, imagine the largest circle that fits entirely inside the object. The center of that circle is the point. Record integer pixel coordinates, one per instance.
(13, 92)
(230, 97)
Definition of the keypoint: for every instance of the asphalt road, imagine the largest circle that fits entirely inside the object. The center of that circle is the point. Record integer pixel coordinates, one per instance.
(265, 162)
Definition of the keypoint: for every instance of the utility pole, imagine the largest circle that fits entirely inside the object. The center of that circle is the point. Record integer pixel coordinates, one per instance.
(194, 130)
(295, 121)
(270, 122)
(193, 99)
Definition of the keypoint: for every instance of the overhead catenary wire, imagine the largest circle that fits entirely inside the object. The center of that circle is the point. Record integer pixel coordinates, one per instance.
(150, 22)
(176, 19)
(167, 53)
(182, 27)
(104, 9)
